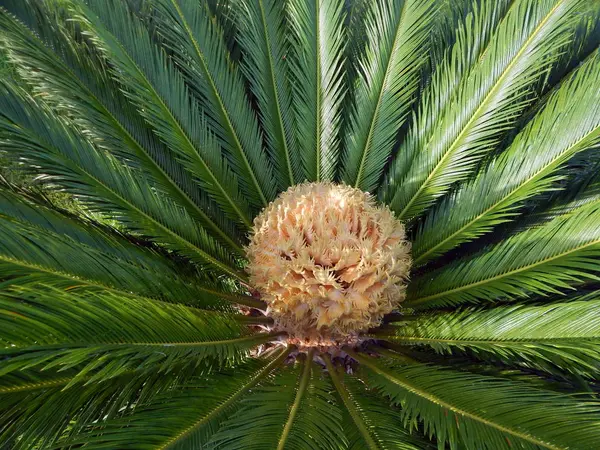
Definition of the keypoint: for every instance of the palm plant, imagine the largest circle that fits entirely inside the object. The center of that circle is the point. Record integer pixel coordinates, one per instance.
(131, 320)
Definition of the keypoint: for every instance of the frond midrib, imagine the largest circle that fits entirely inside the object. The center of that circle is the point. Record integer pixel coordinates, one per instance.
(349, 405)
(507, 197)
(302, 386)
(224, 112)
(477, 111)
(421, 300)
(280, 128)
(230, 401)
(405, 384)
(366, 149)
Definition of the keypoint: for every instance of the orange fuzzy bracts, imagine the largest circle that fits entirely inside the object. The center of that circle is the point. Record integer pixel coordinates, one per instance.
(328, 262)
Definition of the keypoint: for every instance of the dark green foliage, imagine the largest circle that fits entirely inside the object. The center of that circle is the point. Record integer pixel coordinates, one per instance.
(140, 138)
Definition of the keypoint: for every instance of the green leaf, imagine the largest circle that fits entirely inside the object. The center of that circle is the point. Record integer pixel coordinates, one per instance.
(317, 50)
(187, 415)
(389, 77)
(31, 255)
(472, 33)
(45, 141)
(481, 412)
(73, 79)
(283, 413)
(263, 40)
(542, 260)
(368, 424)
(159, 92)
(558, 338)
(28, 398)
(108, 334)
(40, 245)
(488, 101)
(198, 48)
(529, 167)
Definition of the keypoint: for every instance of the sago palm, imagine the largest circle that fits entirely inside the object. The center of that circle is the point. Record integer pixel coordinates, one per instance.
(300, 224)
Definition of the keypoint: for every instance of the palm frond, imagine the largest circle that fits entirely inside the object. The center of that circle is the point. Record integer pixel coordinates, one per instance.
(200, 52)
(563, 336)
(28, 398)
(527, 168)
(202, 405)
(489, 99)
(318, 43)
(482, 412)
(368, 424)
(283, 413)
(161, 95)
(265, 65)
(542, 260)
(72, 79)
(40, 245)
(472, 35)
(102, 182)
(106, 334)
(397, 35)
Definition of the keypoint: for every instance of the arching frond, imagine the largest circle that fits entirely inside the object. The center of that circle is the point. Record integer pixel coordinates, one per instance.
(318, 42)
(540, 260)
(496, 90)
(263, 40)
(368, 424)
(102, 182)
(106, 334)
(202, 404)
(40, 245)
(200, 52)
(559, 337)
(28, 398)
(397, 33)
(472, 35)
(527, 168)
(283, 413)
(481, 412)
(159, 92)
(73, 80)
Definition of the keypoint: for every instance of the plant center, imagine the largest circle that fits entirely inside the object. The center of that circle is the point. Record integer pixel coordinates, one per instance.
(329, 262)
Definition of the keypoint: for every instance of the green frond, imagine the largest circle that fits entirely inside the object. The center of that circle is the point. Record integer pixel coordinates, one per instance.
(489, 99)
(28, 398)
(397, 36)
(542, 260)
(265, 64)
(563, 336)
(579, 192)
(198, 48)
(67, 159)
(73, 80)
(41, 246)
(317, 50)
(162, 97)
(202, 405)
(105, 334)
(464, 410)
(529, 167)
(293, 411)
(472, 34)
(367, 423)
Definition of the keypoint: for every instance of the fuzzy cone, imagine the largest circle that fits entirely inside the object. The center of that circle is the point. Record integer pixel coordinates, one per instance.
(328, 262)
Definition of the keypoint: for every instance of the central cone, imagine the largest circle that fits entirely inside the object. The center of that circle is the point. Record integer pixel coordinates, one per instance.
(328, 262)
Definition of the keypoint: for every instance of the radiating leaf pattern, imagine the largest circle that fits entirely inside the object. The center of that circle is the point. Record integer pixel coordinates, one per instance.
(140, 139)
